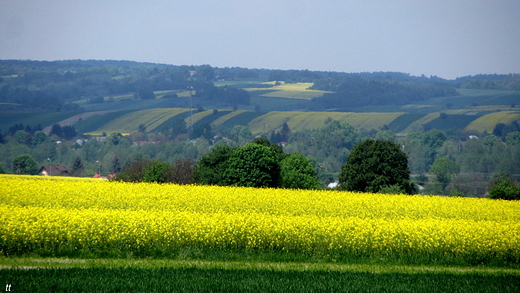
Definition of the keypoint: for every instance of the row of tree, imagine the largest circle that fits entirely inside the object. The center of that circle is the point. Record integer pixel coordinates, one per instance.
(372, 166)
(356, 91)
(470, 163)
(255, 164)
(55, 85)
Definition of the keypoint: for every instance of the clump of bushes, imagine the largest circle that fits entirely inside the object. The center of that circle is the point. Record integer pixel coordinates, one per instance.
(503, 186)
(179, 172)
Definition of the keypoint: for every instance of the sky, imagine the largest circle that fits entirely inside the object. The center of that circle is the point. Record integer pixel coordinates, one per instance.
(445, 38)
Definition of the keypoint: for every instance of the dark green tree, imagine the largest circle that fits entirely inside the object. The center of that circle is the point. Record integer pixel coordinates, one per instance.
(156, 172)
(115, 165)
(513, 138)
(115, 138)
(276, 148)
(39, 137)
(376, 164)
(241, 134)
(505, 190)
(25, 164)
(69, 132)
(56, 130)
(500, 177)
(22, 137)
(444, 169)
(202, 130)
(253, 165)
(502, 186)
(297, 172)
(211, 167)
(77, 167)
(146, 94)
(178, 127)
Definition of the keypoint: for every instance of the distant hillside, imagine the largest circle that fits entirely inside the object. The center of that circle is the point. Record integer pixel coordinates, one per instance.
(123, 96)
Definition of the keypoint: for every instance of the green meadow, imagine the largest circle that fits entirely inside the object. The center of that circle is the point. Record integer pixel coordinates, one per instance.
(161, 275)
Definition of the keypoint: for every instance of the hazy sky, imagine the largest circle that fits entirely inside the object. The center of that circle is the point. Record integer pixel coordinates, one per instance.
(447, 38)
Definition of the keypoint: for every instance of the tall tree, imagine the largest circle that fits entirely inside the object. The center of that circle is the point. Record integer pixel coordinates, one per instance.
(505, 189)
(25, 164)
(211, 167)
(297, 172)
(115, 165)
(253, 165)
(77, 167)
(444, 169)
(376, 164)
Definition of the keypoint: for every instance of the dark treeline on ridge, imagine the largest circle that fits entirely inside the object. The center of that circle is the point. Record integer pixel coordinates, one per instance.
(55, 85)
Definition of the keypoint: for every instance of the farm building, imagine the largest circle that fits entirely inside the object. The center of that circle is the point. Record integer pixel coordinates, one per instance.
(54, 171)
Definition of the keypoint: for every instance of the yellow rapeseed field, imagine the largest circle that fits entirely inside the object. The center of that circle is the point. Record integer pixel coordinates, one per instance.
(39, 214)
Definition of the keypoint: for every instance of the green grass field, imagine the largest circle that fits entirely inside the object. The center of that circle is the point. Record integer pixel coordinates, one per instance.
(93, 123)
(147, 275)
(451, 121)
(418, 125)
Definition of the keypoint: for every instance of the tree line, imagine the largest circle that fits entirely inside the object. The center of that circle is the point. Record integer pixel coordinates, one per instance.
(356, 91)
(54, 86)
(441, 163)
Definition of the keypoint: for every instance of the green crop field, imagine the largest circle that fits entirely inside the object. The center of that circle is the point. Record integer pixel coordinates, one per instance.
(241, 119)
(130, 122)
(313, 120)
(487, 122)
(92, 123)
(451, 121)
(222, 119)
(418, 124)
(402, 122)
(197, 116)
(152, 275)
(209, 119)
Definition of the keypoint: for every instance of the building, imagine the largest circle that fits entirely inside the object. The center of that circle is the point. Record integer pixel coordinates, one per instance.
(54, 171)
(109, 176)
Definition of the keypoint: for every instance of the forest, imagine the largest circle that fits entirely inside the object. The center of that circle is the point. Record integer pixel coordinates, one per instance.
(55, 85)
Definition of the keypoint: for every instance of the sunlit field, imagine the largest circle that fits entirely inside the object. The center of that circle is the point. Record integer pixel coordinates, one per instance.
(299, 90)
(151, 119)
(314, 120)
(85, 217)
(488, 122)
(92, 235)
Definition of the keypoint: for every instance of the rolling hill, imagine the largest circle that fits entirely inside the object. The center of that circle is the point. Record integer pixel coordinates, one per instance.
(472, 111)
